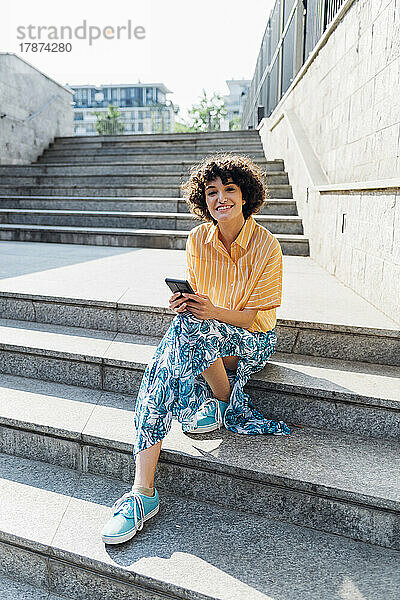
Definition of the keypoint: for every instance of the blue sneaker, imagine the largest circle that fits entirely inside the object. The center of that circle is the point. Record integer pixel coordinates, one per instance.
(129, 514)
(210, 416)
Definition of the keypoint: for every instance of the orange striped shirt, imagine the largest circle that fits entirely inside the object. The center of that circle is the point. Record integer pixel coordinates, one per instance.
(250, 278)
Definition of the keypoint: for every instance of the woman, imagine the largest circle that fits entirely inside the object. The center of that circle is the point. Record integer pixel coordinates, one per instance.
(220, 336)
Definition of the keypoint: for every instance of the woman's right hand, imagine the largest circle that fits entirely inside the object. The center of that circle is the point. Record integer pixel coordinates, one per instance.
(177, 303)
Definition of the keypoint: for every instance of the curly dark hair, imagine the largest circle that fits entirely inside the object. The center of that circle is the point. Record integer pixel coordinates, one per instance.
(243, 171)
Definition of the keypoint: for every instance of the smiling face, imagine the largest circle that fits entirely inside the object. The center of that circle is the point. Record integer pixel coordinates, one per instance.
(224, 201)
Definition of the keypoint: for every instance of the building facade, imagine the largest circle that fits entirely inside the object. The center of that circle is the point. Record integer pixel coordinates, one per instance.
(144, 107)
(234, 101)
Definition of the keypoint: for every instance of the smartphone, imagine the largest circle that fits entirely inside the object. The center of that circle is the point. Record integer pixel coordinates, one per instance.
(179, 285)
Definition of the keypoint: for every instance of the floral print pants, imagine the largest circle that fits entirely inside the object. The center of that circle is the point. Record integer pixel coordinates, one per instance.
(173, 387)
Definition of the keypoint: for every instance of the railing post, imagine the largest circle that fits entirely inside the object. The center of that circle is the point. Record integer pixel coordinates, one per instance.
(300, 37)
(280, 55)
(324, 14)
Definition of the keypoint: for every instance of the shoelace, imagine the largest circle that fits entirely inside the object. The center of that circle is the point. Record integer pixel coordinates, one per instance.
(209, 405)
(129, 503)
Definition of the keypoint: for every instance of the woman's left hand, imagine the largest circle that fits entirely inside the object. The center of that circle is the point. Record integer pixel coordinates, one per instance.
(200, 306)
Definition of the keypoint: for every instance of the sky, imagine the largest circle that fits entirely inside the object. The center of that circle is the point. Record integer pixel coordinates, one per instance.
(186, 45)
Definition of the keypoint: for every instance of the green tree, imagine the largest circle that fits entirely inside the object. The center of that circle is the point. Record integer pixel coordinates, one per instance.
(109, 123)
(235, 123)
(206, 115)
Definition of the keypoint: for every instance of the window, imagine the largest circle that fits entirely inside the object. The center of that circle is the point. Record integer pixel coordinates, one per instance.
(85, 97)
(129, 97)
(81, 97)
(78, 116)
(149, 96)
(138, 97)
(123, 101)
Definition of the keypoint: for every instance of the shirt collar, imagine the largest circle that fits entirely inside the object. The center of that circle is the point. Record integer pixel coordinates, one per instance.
(242, 239)
(246, 232)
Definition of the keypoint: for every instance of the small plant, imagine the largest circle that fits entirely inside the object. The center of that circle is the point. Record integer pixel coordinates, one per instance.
(109, 123)
(206, 115)
(235, 123)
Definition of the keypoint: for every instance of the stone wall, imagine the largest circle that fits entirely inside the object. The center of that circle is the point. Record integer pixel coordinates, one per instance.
(338, 130)
(366, 256)
(23, 91)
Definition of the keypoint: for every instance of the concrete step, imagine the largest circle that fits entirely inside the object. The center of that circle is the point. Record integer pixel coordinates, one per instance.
(324, 340)
(182, 553)
(192, 145)
(189, 153)
(139, 220)
(311, 471)
(176, 168)
(143, 189)
(164, 160)
(243, 134)
(140, 141)
(153, 140)
(295, 337)
(119, 180)
(131, 155)
(135, 277)
(153, 190)
(206, 146)
(355, 397)
(17, 590)
(273, 206)
(172, 239)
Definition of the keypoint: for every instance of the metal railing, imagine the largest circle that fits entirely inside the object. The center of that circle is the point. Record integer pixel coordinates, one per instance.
(293, 30)
(123, 122)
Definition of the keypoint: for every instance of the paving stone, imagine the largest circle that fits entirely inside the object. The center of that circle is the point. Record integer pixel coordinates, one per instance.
(77, 271)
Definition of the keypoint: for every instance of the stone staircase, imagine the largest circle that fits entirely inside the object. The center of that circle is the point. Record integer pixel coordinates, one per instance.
(124, 191)
(311, 516)
(307, 516)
